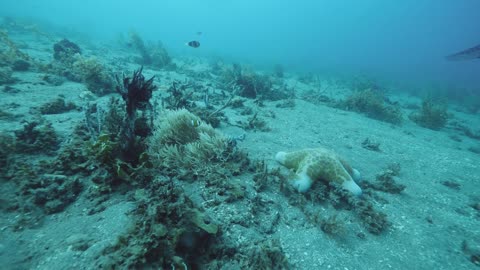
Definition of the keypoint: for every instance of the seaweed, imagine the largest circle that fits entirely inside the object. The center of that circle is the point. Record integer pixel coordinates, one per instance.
(36, 138)
(6, 76)
(433, 115)
(93, 73)
(52, 192)
(256, 123)
(266, 254)
(179, 97)
(333, 225)
(20, 65)
(372, 219)
(372, 104)
(375, 221)
(169, 232)
(155, 56)
(65, 51)
(9, 53)
(386, 181)
(57, 106)
(7, 147)
(278, 71)
(252, 85)
(370, 144)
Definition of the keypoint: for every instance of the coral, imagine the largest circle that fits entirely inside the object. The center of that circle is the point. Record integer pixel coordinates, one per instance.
(372, 104)
(432, 115)
(65, 51)
(94, 74)
(313, 165)
(35, 138)
(57, 106)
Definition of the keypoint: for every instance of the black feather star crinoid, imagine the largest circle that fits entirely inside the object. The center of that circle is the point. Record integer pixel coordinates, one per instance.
(136, 91)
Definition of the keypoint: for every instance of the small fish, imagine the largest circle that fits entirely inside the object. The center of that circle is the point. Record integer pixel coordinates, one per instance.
(196, 122)
(193, 44)
(199, 33)
(468, 54)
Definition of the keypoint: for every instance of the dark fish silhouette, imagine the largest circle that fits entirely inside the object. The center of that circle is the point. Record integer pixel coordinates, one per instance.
(194, 44)
(468, 54)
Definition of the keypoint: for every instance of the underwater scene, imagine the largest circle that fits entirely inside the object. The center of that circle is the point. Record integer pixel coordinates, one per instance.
(237, 135)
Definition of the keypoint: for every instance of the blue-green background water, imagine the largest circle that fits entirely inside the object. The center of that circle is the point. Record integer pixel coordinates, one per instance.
(401, 40)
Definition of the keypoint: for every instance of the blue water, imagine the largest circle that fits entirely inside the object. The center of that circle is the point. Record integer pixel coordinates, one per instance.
(400, 40)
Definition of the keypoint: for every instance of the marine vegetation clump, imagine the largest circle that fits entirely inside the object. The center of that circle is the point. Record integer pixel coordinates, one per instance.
(93, 74)
(154, 56)
(252, 85)
(180, 97)
(36, 138)
(170, 232)
(136, 92)
(7, 147)
(188, 95)
(119, 131)
(66, 51)
(371, 144)
(278, 71)
(372, 104)
(266, 254)
(432, 115)
(360, 83)
(51, 192)
(387, 181)
(6, 76)
(185, 148)
(363, 208)
(333, 225)
(57, 106)
(11, 56)
(256, 123)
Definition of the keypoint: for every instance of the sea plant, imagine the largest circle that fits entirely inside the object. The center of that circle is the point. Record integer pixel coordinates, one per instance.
(432, 114)
(136, 92)
(372, 104)
(93, 73)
